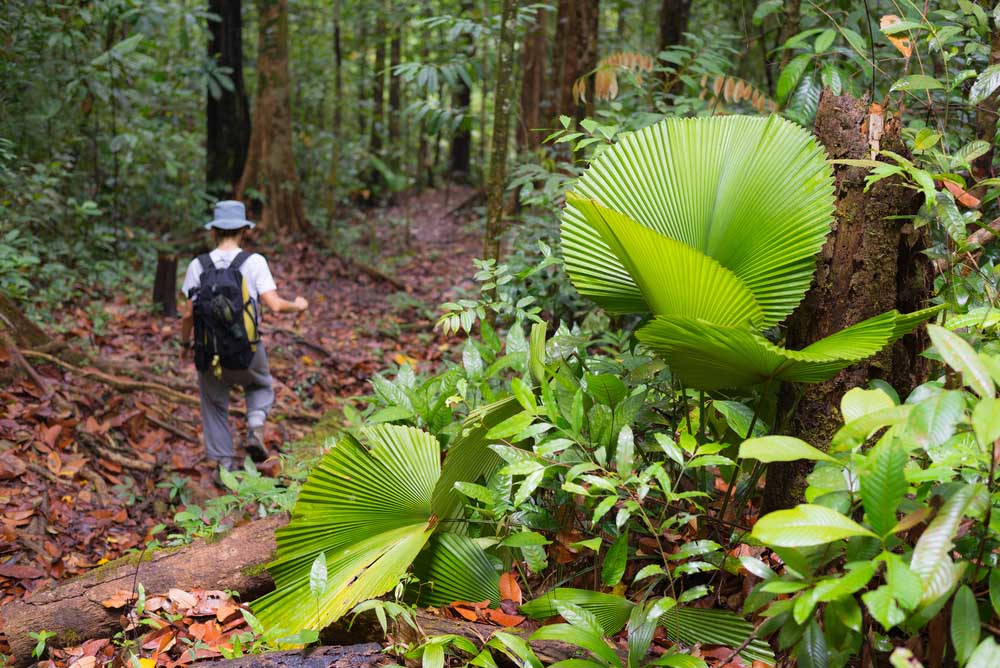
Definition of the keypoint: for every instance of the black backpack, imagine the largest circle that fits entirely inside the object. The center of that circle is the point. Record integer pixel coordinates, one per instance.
(225, 318)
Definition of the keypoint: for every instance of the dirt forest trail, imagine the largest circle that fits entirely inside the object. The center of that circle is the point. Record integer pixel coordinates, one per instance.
(80, 464)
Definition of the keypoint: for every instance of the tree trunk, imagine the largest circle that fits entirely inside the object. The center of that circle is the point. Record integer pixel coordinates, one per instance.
(165, 284)
(270, 165)
(228, 116)
(869, 264)
(501, 121)
(588, 22)
(533, 85)
(378, 95)
(332, 178)
(22, 331)
(395, 95)
(461, 142)
(674, 17)
(73, 610)
(986, 118)
(564, 61)
(364, 87)
(790, 27)
(367, 655)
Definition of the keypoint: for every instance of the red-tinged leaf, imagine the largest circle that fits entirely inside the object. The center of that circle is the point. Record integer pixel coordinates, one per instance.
(10, 466)
(509, 588)
(51, 434)
(466, 613)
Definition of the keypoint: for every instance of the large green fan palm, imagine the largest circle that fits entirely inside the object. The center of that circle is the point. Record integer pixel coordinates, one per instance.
(712, 225)
(371, 508)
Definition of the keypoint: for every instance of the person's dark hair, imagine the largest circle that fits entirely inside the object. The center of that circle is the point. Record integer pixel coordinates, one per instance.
(221, 234)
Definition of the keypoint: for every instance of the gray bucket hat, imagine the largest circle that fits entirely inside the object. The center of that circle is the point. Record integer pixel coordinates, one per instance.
(229, 215)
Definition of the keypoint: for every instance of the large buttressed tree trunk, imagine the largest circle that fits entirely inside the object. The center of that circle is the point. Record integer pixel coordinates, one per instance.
(533, 116)
(228, 116)
(270, 165)
(871, 263)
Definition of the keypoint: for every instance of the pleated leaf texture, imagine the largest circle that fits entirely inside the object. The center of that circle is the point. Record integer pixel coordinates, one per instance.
(712, 225)
(371, 508)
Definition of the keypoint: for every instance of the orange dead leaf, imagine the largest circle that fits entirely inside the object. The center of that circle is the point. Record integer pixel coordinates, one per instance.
(119, 599)
(503, 619)
(964, 197)
(902, 44)
(467, 613)
(182, 599)
(509, 588)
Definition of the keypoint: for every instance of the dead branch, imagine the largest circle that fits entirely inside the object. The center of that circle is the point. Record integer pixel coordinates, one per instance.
(980, 237)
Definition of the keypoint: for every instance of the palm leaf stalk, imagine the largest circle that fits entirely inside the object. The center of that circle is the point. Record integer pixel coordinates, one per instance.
(712, 226)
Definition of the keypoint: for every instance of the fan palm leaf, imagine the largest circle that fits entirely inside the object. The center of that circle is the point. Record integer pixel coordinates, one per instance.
(456, 569)
(712, 225)
(712, 357)
(755, 194)
(371, 511)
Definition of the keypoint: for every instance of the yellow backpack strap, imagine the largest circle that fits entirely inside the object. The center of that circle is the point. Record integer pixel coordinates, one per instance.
(249, 307)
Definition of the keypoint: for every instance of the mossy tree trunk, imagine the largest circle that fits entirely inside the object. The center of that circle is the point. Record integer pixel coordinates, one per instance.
(270, 166)
(503, 95)
(871, 263)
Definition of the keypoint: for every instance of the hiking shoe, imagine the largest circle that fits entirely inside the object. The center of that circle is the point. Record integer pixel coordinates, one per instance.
(255, 444)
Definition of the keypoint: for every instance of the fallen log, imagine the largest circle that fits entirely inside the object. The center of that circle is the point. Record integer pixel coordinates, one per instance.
(73, 610)
(367, 655)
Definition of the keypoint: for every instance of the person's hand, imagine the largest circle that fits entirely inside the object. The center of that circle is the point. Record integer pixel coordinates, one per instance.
(300, 304)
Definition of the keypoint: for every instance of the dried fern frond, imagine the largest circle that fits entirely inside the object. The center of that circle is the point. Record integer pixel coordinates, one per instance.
(734, 90)
(606, 74)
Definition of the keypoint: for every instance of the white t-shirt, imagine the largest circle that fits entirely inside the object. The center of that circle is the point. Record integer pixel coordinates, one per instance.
(254, 270)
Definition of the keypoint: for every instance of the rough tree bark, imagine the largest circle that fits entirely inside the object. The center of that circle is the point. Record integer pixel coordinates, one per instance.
(165, 284)
(497, 180)
(588, 22)
(73, 610)
(986, 117)
(790, 27)
(460, 153)
(332, 177)
(533, 115)
(871, 263)
(378, 90)
(270, 165)
(674, 17)
(228, 117)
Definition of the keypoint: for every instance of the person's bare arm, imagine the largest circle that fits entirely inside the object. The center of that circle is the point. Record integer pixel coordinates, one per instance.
(275, 303)
(187, 324)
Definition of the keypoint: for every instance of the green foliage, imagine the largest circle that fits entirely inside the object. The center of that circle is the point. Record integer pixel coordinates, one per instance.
(897, 465)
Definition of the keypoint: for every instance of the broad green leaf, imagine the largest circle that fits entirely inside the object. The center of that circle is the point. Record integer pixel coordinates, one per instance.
(987, 655)
(769, 449)
(854, 580)
(625, 452)
(606, 389)
(575, 635)
(904, 585)
(614, 561)
(931, 560)
(964, 624)
(765, 9)
(433, 656)
(738, 417)
(789, 77)
(986, 421)
(824, 40)
(811, 651)
(960, 356)
(995, 589)
(858, 402)
(806, 525)
(985, 84)
(759, 203)
(511, 426)
(883, 486)
(933, 420)
(916, 82)
(883, 607)
(318, 575)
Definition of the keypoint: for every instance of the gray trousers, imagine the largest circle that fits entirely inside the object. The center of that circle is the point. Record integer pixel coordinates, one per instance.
(256, 382)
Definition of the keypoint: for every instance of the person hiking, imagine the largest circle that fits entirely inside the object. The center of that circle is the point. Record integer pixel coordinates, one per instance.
(228, 350)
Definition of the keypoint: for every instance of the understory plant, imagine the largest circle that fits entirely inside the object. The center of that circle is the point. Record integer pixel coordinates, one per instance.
(899, 522)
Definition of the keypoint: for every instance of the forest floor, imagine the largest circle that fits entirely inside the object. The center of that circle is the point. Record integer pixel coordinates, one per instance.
(87, 470)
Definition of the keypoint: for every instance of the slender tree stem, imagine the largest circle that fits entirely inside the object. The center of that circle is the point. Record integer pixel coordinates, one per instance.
(736, 467)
